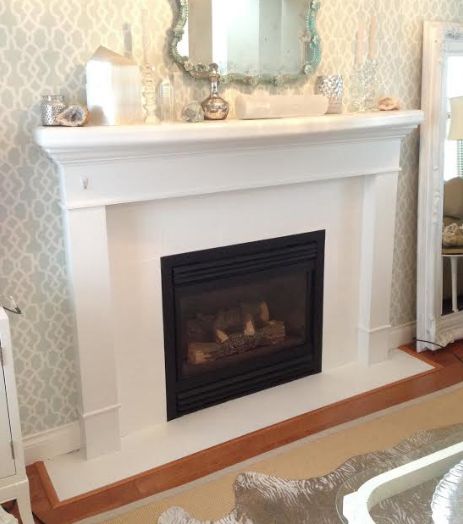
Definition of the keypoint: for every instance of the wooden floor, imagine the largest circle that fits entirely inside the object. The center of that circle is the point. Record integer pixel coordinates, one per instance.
(448, 371)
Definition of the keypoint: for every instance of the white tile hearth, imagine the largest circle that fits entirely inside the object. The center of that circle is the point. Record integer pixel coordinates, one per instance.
(72, 475)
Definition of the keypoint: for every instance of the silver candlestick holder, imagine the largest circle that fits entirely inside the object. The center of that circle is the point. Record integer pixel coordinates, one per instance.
(149, 94)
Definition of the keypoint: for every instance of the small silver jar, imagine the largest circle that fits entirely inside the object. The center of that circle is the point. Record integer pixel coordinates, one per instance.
(51, 107)
(332, 86)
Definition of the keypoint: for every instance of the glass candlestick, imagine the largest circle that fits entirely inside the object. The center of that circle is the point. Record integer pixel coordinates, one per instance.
(371, 68)
(149, 94)
(358, 89)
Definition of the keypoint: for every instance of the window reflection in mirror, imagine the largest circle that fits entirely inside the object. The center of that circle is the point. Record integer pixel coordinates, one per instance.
(452, 241)
(252, 37)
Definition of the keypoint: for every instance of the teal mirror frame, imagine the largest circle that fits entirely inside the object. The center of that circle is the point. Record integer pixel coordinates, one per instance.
(202, 70)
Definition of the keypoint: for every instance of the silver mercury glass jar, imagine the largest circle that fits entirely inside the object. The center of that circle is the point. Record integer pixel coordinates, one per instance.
(51, 107)
(331, 86)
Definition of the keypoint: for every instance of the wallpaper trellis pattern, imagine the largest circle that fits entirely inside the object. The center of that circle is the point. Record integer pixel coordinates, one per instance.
(43, 46)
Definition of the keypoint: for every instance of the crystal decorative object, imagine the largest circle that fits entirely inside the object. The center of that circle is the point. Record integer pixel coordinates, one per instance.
(167, 101)
(193, 112)
(364, 86)
(331, 86)
(73, 116)
(149, 94)
(371, 68)
(358, 89)
(447, 501)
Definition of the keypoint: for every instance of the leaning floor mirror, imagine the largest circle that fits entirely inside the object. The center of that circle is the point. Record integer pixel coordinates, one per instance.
(440, 213)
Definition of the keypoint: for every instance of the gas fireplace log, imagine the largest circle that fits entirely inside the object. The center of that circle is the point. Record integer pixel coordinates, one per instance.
(273, 333)
(202, 352)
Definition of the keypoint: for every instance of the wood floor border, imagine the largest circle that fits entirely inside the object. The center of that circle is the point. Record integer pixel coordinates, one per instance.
(448, 371)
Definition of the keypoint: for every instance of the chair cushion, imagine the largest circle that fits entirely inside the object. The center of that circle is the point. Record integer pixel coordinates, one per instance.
(453, 198)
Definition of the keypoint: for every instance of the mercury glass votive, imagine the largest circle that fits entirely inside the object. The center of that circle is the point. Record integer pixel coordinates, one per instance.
(331, 86)
(51, 107)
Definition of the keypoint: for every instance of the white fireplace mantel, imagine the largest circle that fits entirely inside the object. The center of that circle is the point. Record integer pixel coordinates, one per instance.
(104, 166)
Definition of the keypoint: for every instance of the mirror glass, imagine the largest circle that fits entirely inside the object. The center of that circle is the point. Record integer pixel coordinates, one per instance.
(452, 241)
(250, 40)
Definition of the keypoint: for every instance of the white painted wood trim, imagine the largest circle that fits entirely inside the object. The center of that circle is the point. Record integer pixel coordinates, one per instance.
(441, 40)
(403, 334)
(102, 143)
(378, 225)
(6, 518)
(89, 267)
(14, 486)
(52, 443)
(357, 505)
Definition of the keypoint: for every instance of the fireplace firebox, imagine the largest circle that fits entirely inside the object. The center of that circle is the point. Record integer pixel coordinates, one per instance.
(241, 318)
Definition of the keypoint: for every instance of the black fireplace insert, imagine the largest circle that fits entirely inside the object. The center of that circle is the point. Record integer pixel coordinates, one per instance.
(241, 318)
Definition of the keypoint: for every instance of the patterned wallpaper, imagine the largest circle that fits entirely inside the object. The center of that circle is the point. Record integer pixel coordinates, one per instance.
(43, 46)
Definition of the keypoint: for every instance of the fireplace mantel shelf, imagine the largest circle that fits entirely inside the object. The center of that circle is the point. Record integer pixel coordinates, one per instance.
(106, 165)
(100, 143)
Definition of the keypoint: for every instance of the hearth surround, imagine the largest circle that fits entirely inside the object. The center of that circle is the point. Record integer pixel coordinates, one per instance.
(239, 319)
(133, 195)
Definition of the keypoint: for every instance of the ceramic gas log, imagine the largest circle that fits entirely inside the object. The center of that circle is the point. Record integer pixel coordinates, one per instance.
(236, 330)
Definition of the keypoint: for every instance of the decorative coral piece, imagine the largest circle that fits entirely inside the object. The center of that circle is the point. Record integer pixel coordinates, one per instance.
(388, 103)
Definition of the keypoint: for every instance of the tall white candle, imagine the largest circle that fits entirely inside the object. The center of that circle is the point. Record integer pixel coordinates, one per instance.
(145, 37)
(373, 39)
(361, 44)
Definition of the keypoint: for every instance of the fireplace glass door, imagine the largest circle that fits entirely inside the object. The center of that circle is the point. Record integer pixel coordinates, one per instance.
(241, 318)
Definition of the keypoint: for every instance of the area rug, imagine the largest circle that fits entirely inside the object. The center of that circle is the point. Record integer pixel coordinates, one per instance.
(265, 499)
(213, 499)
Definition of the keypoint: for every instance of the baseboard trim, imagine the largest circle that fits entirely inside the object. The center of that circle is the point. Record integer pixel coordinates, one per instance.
(403, 334)
(52, 442)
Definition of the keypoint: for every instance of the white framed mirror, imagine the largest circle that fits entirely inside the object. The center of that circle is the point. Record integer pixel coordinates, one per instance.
(440, 263)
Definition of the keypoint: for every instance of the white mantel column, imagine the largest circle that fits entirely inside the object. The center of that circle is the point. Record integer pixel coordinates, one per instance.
(90, 277)
(379, 209)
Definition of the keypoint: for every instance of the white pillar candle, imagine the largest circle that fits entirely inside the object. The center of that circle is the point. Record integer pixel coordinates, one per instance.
(373, 39)
(361, 44)
(145, 37)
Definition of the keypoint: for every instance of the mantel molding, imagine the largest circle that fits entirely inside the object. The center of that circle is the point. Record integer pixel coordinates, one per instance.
(104, 166)
(95, 144)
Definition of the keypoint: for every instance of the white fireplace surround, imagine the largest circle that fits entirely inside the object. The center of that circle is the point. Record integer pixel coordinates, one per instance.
(132, 194)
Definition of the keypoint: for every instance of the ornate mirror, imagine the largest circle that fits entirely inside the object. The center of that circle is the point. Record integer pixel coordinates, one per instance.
(251, 41)
(440, 213)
